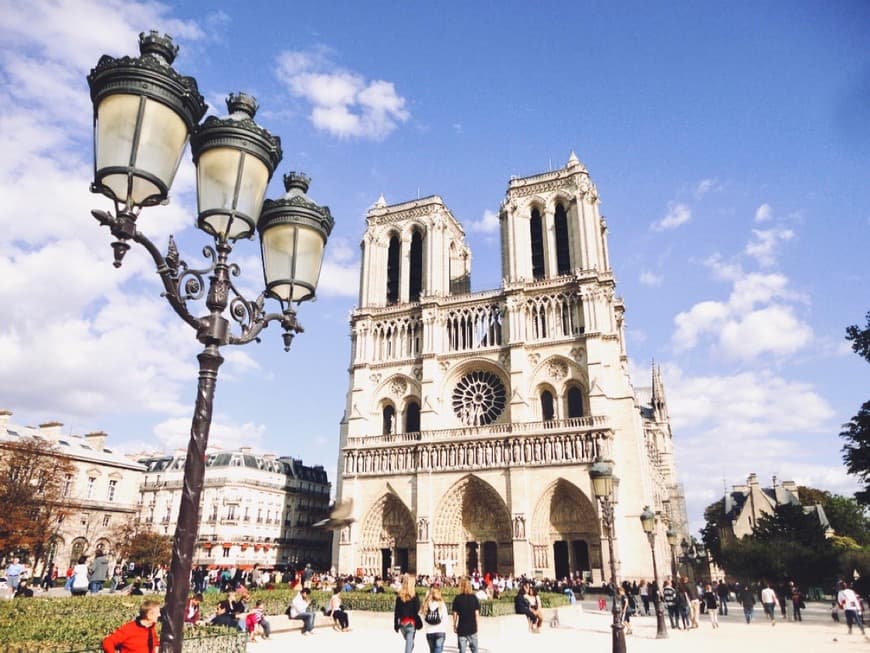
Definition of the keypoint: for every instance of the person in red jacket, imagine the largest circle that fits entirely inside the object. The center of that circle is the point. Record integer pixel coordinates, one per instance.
(137, 636)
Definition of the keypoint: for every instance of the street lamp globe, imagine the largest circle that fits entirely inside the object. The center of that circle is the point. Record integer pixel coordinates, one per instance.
(144, 112)
(293, 232)
(601, 473)
(235, 159)
(672, 536)
(648, 520)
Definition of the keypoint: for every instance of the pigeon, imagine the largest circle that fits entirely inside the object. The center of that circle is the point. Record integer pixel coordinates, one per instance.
(339, 517)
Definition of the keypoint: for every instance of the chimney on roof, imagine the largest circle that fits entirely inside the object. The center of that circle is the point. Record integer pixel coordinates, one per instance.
(752, 481)
(245, 449)
(96, 440)
(51, 430)
(792, 487)
(4, 417)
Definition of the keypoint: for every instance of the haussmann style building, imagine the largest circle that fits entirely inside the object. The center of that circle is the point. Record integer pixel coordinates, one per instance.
(472, 419)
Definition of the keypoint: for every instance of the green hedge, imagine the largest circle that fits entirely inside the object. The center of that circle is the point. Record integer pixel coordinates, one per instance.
(78, 625)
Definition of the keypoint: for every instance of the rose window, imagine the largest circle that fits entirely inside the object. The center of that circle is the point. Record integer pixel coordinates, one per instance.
(478, 398)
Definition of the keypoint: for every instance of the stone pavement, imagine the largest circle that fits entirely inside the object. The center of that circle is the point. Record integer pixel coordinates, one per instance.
(582, 630)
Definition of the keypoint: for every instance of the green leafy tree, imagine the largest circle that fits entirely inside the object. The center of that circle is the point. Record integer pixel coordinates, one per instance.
(787, 543)
(711, 534)
(856, 432)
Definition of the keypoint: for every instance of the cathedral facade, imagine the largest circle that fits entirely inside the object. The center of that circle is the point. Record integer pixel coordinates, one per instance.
(472, 419)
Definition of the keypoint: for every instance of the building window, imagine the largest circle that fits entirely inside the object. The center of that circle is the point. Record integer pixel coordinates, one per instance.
(479, 398)
(575, 402)
(536, 235)
(226, 552)
(547, 413)
(113, 486)
(92, 482)
(389, 419)
(563, 250)
(412, 417)
(106, 520)
(247, 516)
(67, 485)
(231, 513)
(393, 264)
(415, 287)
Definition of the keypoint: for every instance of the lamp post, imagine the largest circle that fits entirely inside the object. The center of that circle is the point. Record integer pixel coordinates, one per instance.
(144, 114)
(604, 487)
(673, 538)
(648, 522)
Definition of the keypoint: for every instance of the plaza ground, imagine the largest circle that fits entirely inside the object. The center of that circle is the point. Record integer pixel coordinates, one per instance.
(582, 630)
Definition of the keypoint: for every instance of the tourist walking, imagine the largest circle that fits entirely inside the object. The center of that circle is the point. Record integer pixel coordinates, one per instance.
(769, 601)
(797, 602)
(625, 610)
(669, 596)
(851, 606)
(14, 570)
(98, 572)
(722, 590)
(466, 613)
(434, 613)
(137, 636)
(643, 592)
(406, 618)
(683, 605)
(711, 601)
(747, 600)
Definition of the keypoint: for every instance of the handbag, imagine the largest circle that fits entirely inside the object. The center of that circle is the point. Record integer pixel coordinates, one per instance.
(418, 622)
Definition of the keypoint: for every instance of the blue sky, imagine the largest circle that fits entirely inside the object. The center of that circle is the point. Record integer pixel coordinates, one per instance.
(730, 144)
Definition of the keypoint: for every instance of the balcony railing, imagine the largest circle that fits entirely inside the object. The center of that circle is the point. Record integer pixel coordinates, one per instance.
(558, 442)
(572, 424)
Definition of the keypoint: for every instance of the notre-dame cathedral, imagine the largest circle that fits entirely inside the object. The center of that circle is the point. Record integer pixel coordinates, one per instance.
(473, 418)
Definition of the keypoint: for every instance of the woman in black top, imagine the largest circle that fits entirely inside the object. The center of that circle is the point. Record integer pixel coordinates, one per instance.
(406, 617)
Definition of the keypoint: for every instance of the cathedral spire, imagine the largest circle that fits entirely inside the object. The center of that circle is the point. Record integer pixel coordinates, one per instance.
(660, 404)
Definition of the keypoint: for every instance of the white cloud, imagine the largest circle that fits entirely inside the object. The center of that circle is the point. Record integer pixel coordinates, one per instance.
(678, 214)
(773, 330)
(648, 278)
(339, 276)
(763, 213)
(488, 223)
(343, 103)
(765, 244)
(706, 186)
(174, 433)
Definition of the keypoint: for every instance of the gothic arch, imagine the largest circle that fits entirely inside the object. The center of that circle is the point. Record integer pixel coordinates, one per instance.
(472, 514)
(564, 514)
(388, 525)
(557, 372)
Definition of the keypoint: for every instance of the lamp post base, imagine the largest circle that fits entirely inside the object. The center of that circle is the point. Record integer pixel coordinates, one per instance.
(618, 638)
(661, 628)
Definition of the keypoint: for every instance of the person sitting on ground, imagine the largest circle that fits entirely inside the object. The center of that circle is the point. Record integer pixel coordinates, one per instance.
(137, 635)
(233, 606)
(23, 590)
(299, 610)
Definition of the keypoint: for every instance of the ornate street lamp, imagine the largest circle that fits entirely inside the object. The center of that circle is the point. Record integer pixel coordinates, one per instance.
(648, 522)
(144, 114)
(604, 485)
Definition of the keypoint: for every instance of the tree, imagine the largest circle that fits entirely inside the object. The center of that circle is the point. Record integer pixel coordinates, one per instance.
(33, 474)
(711, 534)
(856, 432)
(141, 546)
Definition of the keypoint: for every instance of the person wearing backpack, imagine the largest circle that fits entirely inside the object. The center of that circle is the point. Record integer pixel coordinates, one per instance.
(434, 615)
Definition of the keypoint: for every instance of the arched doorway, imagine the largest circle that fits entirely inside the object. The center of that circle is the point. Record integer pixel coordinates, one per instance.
(387, 538)
(472, 530)
(565, 535)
